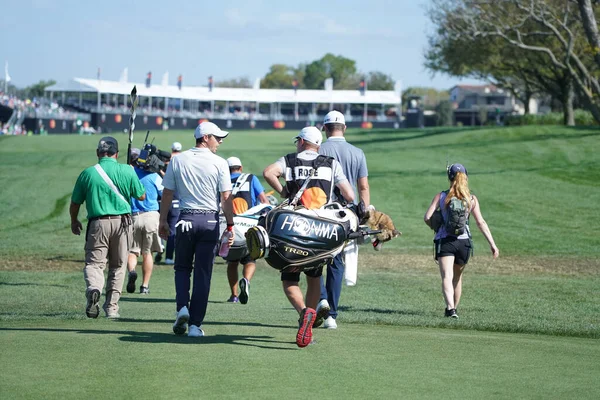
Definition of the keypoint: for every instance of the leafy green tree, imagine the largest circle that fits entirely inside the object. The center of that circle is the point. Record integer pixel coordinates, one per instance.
(341, 69)
(37, 89)
(523, 73)
(553, 30)
(379, 81)
(313, 75)
(444, 113)
(281, 76)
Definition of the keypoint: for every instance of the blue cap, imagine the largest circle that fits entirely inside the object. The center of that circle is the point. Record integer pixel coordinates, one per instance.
(456, 168)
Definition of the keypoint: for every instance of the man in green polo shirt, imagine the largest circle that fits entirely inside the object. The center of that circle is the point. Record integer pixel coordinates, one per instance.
(106, 189)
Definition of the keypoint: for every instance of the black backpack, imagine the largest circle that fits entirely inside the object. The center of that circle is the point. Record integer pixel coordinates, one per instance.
(458, 217)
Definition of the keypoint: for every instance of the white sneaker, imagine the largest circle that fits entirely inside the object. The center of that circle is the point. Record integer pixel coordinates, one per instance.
(195, 331)
(330, 323)
(322, 312)
(180, 325)
(169, 261)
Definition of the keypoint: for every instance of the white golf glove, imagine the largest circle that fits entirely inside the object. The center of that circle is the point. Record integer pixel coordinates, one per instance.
(185, 225)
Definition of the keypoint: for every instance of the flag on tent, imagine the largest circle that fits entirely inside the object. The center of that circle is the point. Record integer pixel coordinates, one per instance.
(98, 74)
(179, 81)
(362, 86)
(124, 75)
(148, 79)
(6, 75)
(295, 85)
(210, 83)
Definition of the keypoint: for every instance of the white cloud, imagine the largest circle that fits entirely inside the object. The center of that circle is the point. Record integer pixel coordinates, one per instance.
(237, 17)
(317, 23)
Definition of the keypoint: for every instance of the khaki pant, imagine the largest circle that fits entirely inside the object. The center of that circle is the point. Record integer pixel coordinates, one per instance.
(107, 240)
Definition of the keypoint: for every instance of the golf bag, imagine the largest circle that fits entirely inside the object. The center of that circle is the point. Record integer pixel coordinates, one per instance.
(301, 239)
(242, 222)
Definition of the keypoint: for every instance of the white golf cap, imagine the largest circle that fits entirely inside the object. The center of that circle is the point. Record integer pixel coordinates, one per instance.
(311, 134)
(234, 162)
(208, 128)
(334, 117)
(176, 146)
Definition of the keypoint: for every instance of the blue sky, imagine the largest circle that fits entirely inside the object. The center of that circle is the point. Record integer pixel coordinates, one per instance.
(61, 39)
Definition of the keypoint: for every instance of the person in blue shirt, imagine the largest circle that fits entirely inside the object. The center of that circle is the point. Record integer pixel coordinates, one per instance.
(247, 192)
(146, 218)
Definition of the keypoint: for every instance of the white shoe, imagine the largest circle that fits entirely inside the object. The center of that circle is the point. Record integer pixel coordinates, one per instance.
(180, 325)
(330, 323)
(322, 312)
(169, 261)
(195, 331)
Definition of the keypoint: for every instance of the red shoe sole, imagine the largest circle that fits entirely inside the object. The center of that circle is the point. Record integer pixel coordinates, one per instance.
(304, 336)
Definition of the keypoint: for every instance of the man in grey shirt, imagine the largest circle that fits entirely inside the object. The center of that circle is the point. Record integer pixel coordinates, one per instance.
(198, 176)
(354, 165)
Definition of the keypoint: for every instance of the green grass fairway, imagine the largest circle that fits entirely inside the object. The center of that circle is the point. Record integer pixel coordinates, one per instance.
(249, 351)
(529, 322)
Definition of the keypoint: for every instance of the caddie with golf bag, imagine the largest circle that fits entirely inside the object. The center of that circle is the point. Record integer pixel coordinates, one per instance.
(249, 203)
(306, 230)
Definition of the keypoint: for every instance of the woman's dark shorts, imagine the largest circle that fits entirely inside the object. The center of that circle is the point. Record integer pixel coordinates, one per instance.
(461, 249)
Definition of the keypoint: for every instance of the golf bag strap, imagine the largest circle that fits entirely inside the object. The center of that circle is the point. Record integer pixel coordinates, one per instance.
(109, 182)
(239, 183)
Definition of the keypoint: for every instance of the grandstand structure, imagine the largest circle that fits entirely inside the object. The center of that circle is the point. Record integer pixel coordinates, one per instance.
(163, 106)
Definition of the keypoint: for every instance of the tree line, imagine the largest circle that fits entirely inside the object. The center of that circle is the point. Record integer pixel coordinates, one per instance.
(533, 48)
(312, 75)
(281, 76)
(28, 92)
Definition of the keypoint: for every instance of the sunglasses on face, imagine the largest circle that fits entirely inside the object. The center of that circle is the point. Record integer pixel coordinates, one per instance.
(218, 139)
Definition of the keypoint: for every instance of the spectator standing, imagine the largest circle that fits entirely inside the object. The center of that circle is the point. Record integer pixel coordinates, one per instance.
(453, 249)
(106, 189)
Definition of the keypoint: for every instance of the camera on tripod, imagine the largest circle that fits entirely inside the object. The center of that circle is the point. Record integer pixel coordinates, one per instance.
(151, 158)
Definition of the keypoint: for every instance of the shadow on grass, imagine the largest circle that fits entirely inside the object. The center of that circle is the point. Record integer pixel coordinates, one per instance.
(144, 299)
(159, 337)
(209, 323)
(381, 311)
(62, 258)
(30, 284)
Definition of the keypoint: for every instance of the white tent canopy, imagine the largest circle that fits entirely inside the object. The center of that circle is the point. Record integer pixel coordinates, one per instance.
(202, 93)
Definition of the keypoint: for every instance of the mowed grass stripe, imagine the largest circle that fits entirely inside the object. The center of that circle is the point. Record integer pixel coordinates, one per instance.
(529, 321)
